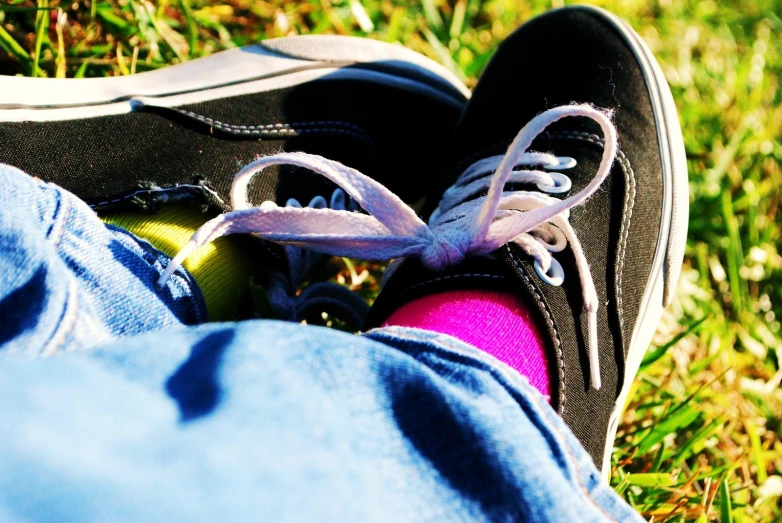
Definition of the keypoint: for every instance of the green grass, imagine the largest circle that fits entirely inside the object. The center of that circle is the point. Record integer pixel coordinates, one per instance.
(701, 437)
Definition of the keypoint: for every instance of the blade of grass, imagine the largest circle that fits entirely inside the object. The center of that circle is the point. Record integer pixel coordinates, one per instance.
(700, 436)
(115, 22)
(174, 40)
(208, 23)
(395, 23)
(361, 16)
(478, 63)
(623, 483)
(722, 471)
(442, 52)
(734, 254)
(134, 61)
(12, 47)
(699, 366)
(351, 270)
(716, 173)
(192, 27)
(457, 22)
(756, 451)
(660, 351)
(677, 421)
(123, 68)
(21, 9)
(41, 19)
(333, 17)
(726, 510)
(432, 15)
(651, 479)
(60, 61)
(82, 70)
(658, 458)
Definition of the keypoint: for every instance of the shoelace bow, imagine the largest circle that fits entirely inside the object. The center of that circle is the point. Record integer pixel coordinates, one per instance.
(460, 226)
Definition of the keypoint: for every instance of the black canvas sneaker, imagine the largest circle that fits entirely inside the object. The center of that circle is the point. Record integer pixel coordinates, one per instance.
(180, 134)
(582, 212)
(184, 131)
(631, 231)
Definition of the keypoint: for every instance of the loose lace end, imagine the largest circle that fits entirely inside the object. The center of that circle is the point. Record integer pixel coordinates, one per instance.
(176, 262)
(594, 359)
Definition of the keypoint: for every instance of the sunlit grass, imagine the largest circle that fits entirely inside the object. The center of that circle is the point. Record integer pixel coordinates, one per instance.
(700, 439)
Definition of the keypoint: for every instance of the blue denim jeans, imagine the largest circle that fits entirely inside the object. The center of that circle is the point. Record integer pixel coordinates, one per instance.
(144, 413)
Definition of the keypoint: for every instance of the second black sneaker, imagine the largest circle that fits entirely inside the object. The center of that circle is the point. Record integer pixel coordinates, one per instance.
(627, 240)
(178, 135)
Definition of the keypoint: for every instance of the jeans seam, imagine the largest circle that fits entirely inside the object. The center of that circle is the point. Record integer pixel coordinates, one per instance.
(65, 323)
(60, 217)
(627, 209)
(552, 327)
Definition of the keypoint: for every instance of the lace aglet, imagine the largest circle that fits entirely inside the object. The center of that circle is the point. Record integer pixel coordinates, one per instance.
(594, 360)
(595, 377)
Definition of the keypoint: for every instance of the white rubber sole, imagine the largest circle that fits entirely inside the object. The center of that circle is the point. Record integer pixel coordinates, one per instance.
(272, 64)
(672, 238)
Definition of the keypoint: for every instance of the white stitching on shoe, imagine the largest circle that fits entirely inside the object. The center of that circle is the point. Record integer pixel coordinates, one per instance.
(63, 215)
(627, 210)
(450, 277)
(552, 328)
(291, 129)
(66, 323)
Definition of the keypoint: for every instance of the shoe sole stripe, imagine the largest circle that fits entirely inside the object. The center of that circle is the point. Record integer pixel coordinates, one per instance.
(668, 256)
(259, 68)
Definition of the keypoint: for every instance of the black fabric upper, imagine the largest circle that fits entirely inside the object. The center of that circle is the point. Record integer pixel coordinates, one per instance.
(369, 126)
(565, 56)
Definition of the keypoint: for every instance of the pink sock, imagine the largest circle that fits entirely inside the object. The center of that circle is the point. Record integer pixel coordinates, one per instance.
(493, 321)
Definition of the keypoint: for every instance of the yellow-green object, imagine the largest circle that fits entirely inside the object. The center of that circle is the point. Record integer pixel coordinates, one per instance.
(222, 269)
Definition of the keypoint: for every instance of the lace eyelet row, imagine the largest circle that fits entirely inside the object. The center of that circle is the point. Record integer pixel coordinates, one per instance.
(555, 276)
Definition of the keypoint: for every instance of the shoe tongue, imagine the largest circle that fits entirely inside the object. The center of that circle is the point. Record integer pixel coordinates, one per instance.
(481, 133)
(411, 280)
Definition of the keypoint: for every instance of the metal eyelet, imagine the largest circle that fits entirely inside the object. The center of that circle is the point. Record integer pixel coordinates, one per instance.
(563, 162)
(338, 200)
(560, 241)
(318, 202)
(561, 184)
(555, 276)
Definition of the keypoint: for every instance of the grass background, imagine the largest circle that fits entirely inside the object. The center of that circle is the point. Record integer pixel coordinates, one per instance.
(701, 437)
